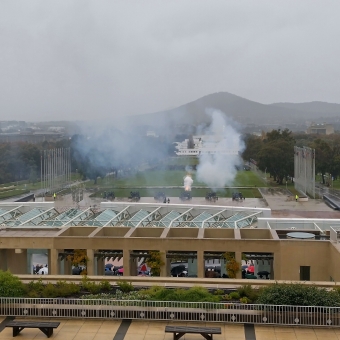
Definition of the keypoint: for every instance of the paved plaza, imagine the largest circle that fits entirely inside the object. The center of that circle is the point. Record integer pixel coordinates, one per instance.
(153, 330)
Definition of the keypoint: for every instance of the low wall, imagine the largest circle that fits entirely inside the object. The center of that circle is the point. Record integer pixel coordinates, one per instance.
(148, 281)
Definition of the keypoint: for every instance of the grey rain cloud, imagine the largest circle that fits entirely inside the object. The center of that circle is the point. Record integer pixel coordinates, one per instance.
(86, 60)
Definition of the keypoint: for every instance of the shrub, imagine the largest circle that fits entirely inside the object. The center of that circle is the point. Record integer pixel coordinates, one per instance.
(227, 297)
(65, 289)
(194, 294)
(219, 292)
(125, 286)
(298, 295)
(105, 285)
(89, 286)
(10, 285)
(93, 288)
(49, 291)
(234, 295)
(249, 292)
(35, 288)
(244, 300)
(152, 291)
(33, 294)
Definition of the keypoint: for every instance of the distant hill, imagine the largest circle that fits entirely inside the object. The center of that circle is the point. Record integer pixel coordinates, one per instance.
(240, 109)
(313, 109)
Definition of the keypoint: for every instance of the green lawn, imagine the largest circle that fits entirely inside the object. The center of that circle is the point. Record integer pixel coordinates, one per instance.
(333, 184)
(11, 193)
(172, 178)
(182, 161)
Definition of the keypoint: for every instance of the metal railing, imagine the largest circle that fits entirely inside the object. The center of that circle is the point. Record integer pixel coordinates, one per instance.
(171, 311)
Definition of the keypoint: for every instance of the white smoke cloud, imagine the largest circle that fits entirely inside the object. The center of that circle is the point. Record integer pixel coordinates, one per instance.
(218, 170)
(188, 183)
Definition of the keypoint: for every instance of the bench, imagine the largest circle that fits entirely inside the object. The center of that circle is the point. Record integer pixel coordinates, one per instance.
(45, 327)
(206, 332)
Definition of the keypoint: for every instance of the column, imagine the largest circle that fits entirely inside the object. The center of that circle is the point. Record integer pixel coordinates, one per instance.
(276, 265)
(91, 262)
(100, 266)
(130, 264)
(17, 261)
(67, 267)
(200, 264)
(53, 262)
(165, 269)
(238, 258)
(3, 259)
(223, 266)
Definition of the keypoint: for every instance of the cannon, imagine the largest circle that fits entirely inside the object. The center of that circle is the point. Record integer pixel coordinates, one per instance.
(134, 196)
(237, 196)
(160, 196)
(185, 196)
(211, 196)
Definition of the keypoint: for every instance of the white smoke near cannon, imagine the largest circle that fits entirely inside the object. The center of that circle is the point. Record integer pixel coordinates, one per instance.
(188, 183)
(219, 168)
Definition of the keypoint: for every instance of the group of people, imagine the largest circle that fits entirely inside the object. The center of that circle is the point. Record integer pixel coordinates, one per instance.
(40, 269)
(166, 200)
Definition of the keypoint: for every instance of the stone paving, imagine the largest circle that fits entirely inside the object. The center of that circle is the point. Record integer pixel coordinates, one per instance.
(154, 330)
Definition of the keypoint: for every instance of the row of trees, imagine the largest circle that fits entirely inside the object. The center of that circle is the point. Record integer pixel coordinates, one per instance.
(274, 153)
(95, 156)
(22, 161)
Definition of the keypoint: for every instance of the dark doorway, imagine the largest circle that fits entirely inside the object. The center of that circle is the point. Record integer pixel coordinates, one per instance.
(304, 273)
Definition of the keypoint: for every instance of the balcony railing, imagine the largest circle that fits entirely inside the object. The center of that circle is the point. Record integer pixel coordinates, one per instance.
(171, 311)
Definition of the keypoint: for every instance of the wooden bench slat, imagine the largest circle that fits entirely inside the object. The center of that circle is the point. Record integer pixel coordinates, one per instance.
(195, 330)
(32, 324)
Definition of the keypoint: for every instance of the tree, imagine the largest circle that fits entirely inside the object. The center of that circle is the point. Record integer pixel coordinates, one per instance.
(155, 262)
(232, 266)
(79, 258)
(253, 147)
(277, 155)
(323, 157)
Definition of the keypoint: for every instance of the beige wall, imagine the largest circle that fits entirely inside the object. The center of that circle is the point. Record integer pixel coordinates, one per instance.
(322, 256)
(294, 254)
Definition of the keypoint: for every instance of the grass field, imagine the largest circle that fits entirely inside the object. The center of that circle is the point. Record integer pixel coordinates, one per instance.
(333, 184)
(122, 187)
(172, 178)
(184, 161)
(11, 193)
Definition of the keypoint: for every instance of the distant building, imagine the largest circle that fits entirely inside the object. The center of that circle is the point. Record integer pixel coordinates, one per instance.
(320, 129)
(204, 144)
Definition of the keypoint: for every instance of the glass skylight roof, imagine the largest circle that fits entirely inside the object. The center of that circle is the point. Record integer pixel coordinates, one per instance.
(127, 215)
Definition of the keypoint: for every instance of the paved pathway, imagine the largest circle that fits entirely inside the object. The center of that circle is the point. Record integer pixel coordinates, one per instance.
(154, 330)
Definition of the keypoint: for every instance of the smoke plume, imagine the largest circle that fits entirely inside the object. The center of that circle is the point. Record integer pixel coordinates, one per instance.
(217, 169)
(188, 183)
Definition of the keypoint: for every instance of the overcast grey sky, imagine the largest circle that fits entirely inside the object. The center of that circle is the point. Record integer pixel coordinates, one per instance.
(84, 59)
